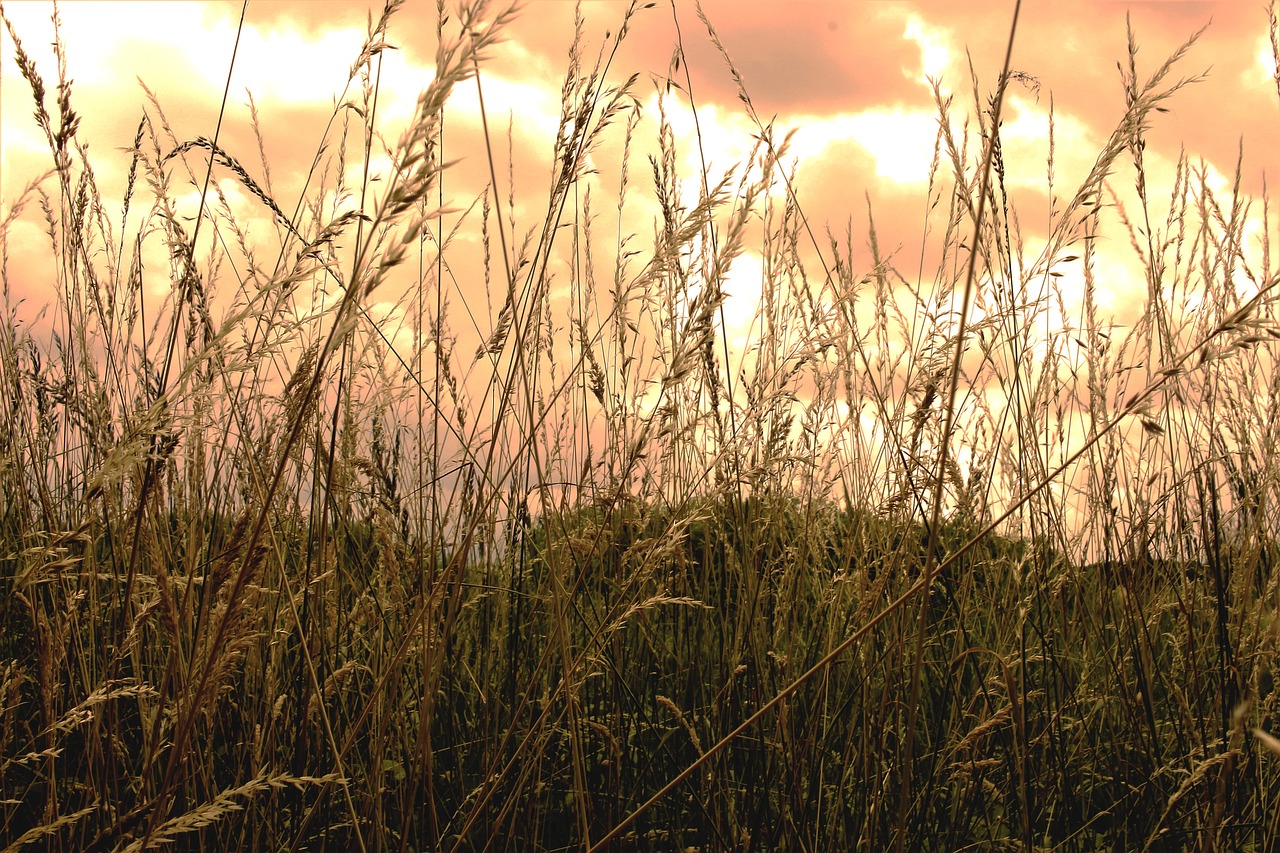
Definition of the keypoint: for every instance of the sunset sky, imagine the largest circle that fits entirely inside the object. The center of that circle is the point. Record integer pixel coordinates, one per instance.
(852, 79)
(851, 76)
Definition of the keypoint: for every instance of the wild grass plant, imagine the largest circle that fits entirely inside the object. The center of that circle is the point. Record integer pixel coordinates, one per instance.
(539, 558)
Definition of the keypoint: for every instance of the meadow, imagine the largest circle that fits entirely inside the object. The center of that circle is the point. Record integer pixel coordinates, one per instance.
(413, 519)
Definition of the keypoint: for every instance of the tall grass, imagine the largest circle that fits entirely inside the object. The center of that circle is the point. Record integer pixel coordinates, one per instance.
(415, 518)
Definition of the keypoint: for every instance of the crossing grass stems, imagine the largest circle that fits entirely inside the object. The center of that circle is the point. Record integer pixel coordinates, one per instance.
(546, 559)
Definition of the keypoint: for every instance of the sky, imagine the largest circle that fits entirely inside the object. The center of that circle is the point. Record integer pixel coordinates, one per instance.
(855, 80)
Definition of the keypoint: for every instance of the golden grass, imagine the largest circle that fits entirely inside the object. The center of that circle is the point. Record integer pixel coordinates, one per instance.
(358, 541)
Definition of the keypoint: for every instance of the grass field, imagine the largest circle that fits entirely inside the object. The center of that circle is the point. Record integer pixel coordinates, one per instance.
(401, 522)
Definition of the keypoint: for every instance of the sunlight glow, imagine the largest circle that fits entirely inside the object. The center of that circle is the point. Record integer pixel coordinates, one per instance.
(533, 110)
(1264, 68)
(743, 296)
(286, 65)
(899, 140)
(935, 48)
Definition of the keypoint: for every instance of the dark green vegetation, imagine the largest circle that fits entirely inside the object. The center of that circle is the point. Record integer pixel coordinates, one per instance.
(272, 579)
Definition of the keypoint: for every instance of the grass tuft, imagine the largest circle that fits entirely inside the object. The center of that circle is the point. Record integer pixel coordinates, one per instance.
(377, 508)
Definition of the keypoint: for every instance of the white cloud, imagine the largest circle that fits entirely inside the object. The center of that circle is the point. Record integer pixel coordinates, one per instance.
(899, 140)
(935, 49)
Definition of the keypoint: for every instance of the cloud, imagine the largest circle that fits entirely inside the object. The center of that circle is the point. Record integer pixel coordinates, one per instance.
(899, 141)
(850, 77)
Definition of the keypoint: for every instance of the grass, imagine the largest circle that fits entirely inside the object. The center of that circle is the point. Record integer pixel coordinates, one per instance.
(413, 518)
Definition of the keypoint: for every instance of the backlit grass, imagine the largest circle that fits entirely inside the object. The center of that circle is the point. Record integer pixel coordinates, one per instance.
(395, 513)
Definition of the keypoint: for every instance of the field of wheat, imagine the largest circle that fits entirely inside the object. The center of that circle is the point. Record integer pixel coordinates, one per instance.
(423, 516)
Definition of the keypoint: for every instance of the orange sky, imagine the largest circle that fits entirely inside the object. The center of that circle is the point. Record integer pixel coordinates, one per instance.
(849, 75)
